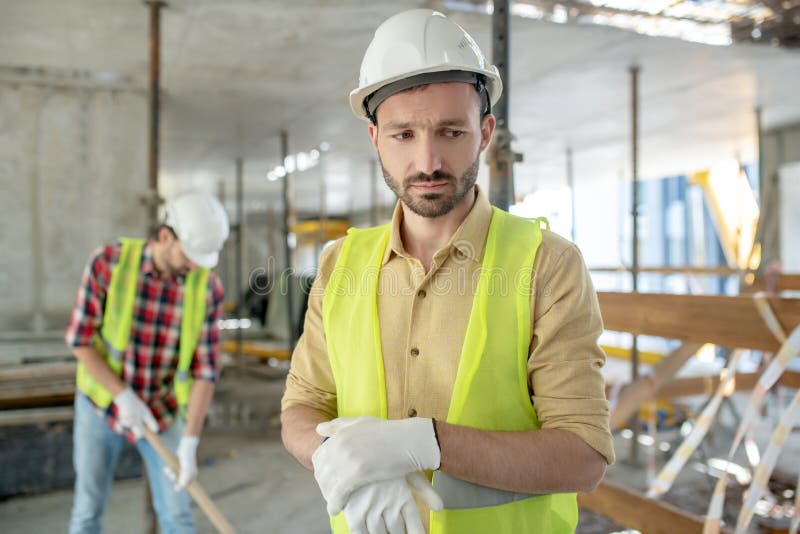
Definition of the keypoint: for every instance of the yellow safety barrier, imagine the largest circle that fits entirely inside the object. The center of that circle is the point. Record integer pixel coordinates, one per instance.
(256, 350)
(623, 353)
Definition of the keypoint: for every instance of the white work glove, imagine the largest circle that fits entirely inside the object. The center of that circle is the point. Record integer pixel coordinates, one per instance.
(134, 414)
(187, 460)
(368, 449)
(388, 506)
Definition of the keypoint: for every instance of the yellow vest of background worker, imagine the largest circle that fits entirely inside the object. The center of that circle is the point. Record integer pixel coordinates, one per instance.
(491, 385)
(118, 316)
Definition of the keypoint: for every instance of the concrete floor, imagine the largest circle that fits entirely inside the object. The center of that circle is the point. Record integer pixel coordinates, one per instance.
(260, 488)
(257, 486)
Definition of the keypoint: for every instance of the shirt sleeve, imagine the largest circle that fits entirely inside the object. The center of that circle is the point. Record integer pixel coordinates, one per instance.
(205, 365)
(310, 381)
(87, 314)
(565, 359)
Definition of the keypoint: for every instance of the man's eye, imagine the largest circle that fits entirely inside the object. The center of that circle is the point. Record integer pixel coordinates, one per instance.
(402, 135)
(453, 133)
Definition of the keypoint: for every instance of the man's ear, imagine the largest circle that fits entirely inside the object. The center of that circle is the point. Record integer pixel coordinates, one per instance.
(373, 134)
(488, 124)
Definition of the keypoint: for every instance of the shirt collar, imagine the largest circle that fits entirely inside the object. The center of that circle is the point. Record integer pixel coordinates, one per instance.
(469, 240)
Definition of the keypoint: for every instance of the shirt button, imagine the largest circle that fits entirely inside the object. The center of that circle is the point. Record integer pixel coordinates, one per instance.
(415, 351)
(412, 412)
(422, 294)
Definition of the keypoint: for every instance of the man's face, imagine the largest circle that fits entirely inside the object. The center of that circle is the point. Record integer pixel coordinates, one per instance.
(173, 261)
(429, 140)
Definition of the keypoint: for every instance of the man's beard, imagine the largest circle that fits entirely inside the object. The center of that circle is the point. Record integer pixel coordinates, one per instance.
(432, 205)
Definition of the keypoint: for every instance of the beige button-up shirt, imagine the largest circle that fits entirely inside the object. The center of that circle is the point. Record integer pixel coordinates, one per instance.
(423, 320)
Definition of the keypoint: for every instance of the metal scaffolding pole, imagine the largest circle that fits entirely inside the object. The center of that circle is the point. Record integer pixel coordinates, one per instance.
(287, 224)
(323, 206)
(571, 185)
(239, 258)
(501, 159)
(634, 71)
(152, 198)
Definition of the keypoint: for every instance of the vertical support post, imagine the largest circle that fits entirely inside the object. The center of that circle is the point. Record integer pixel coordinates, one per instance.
(287, 223)
(571, 185)
(38, 323)
(323, 206)
(239, 258)
(763, 201)
(501, 159)
(152, 198)
(224, 267)
(634, 71)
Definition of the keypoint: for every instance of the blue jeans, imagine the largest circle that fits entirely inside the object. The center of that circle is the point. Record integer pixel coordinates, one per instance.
(96, 452)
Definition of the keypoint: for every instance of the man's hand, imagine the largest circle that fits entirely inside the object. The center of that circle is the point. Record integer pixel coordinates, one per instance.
(134, 414)
(388, 506)
(369, 449)
(187, 458)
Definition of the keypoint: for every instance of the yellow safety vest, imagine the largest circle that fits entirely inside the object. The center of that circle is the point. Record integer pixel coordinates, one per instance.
(118, 316)
(490, 392)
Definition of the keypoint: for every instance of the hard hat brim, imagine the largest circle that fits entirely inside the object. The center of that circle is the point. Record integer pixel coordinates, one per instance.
(208, 260)
(493, 85)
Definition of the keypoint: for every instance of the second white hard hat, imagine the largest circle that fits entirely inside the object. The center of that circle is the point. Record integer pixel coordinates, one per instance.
(201, 225)
(420, 42)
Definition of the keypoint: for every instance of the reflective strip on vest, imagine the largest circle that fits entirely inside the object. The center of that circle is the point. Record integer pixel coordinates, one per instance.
(114, 335)
(488, 393)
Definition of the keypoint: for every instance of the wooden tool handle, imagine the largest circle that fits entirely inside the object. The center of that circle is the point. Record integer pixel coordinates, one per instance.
(194, 488)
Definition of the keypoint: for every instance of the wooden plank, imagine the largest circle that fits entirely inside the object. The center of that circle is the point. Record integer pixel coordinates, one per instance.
(703, 385)
(710, 271)
(731, 322)
(706, 385)
(633, 510)
(790, 379)
(36, 416)
(781, 282)
(644, 388)
(51, 394)
(38, 371)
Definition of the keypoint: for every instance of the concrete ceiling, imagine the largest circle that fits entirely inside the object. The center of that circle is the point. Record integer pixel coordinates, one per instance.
(236, 73)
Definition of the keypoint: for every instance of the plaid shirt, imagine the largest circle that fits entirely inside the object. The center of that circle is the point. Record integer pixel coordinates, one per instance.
(151, 358)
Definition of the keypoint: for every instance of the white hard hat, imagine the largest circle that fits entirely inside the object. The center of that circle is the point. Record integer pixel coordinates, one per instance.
(201, 224)
(420, 46)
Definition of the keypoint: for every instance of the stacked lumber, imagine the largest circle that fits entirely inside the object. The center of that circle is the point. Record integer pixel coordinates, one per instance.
(732, 322)
(37, 385)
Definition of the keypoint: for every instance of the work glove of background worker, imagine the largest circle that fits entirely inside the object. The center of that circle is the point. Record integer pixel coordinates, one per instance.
(134, 414)
(388, 506)
(187, 462)
(368, 449)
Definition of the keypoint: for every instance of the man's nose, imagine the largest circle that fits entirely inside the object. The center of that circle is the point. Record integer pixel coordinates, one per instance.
(428, 156)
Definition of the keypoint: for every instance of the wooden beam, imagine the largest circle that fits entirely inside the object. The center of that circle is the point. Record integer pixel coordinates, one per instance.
(731, 322)
(633, 510)
(645, 387)
(36, 416)
(50, 394)
(710, 271)
(780, 282)
(38, 371)
(706, 385)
